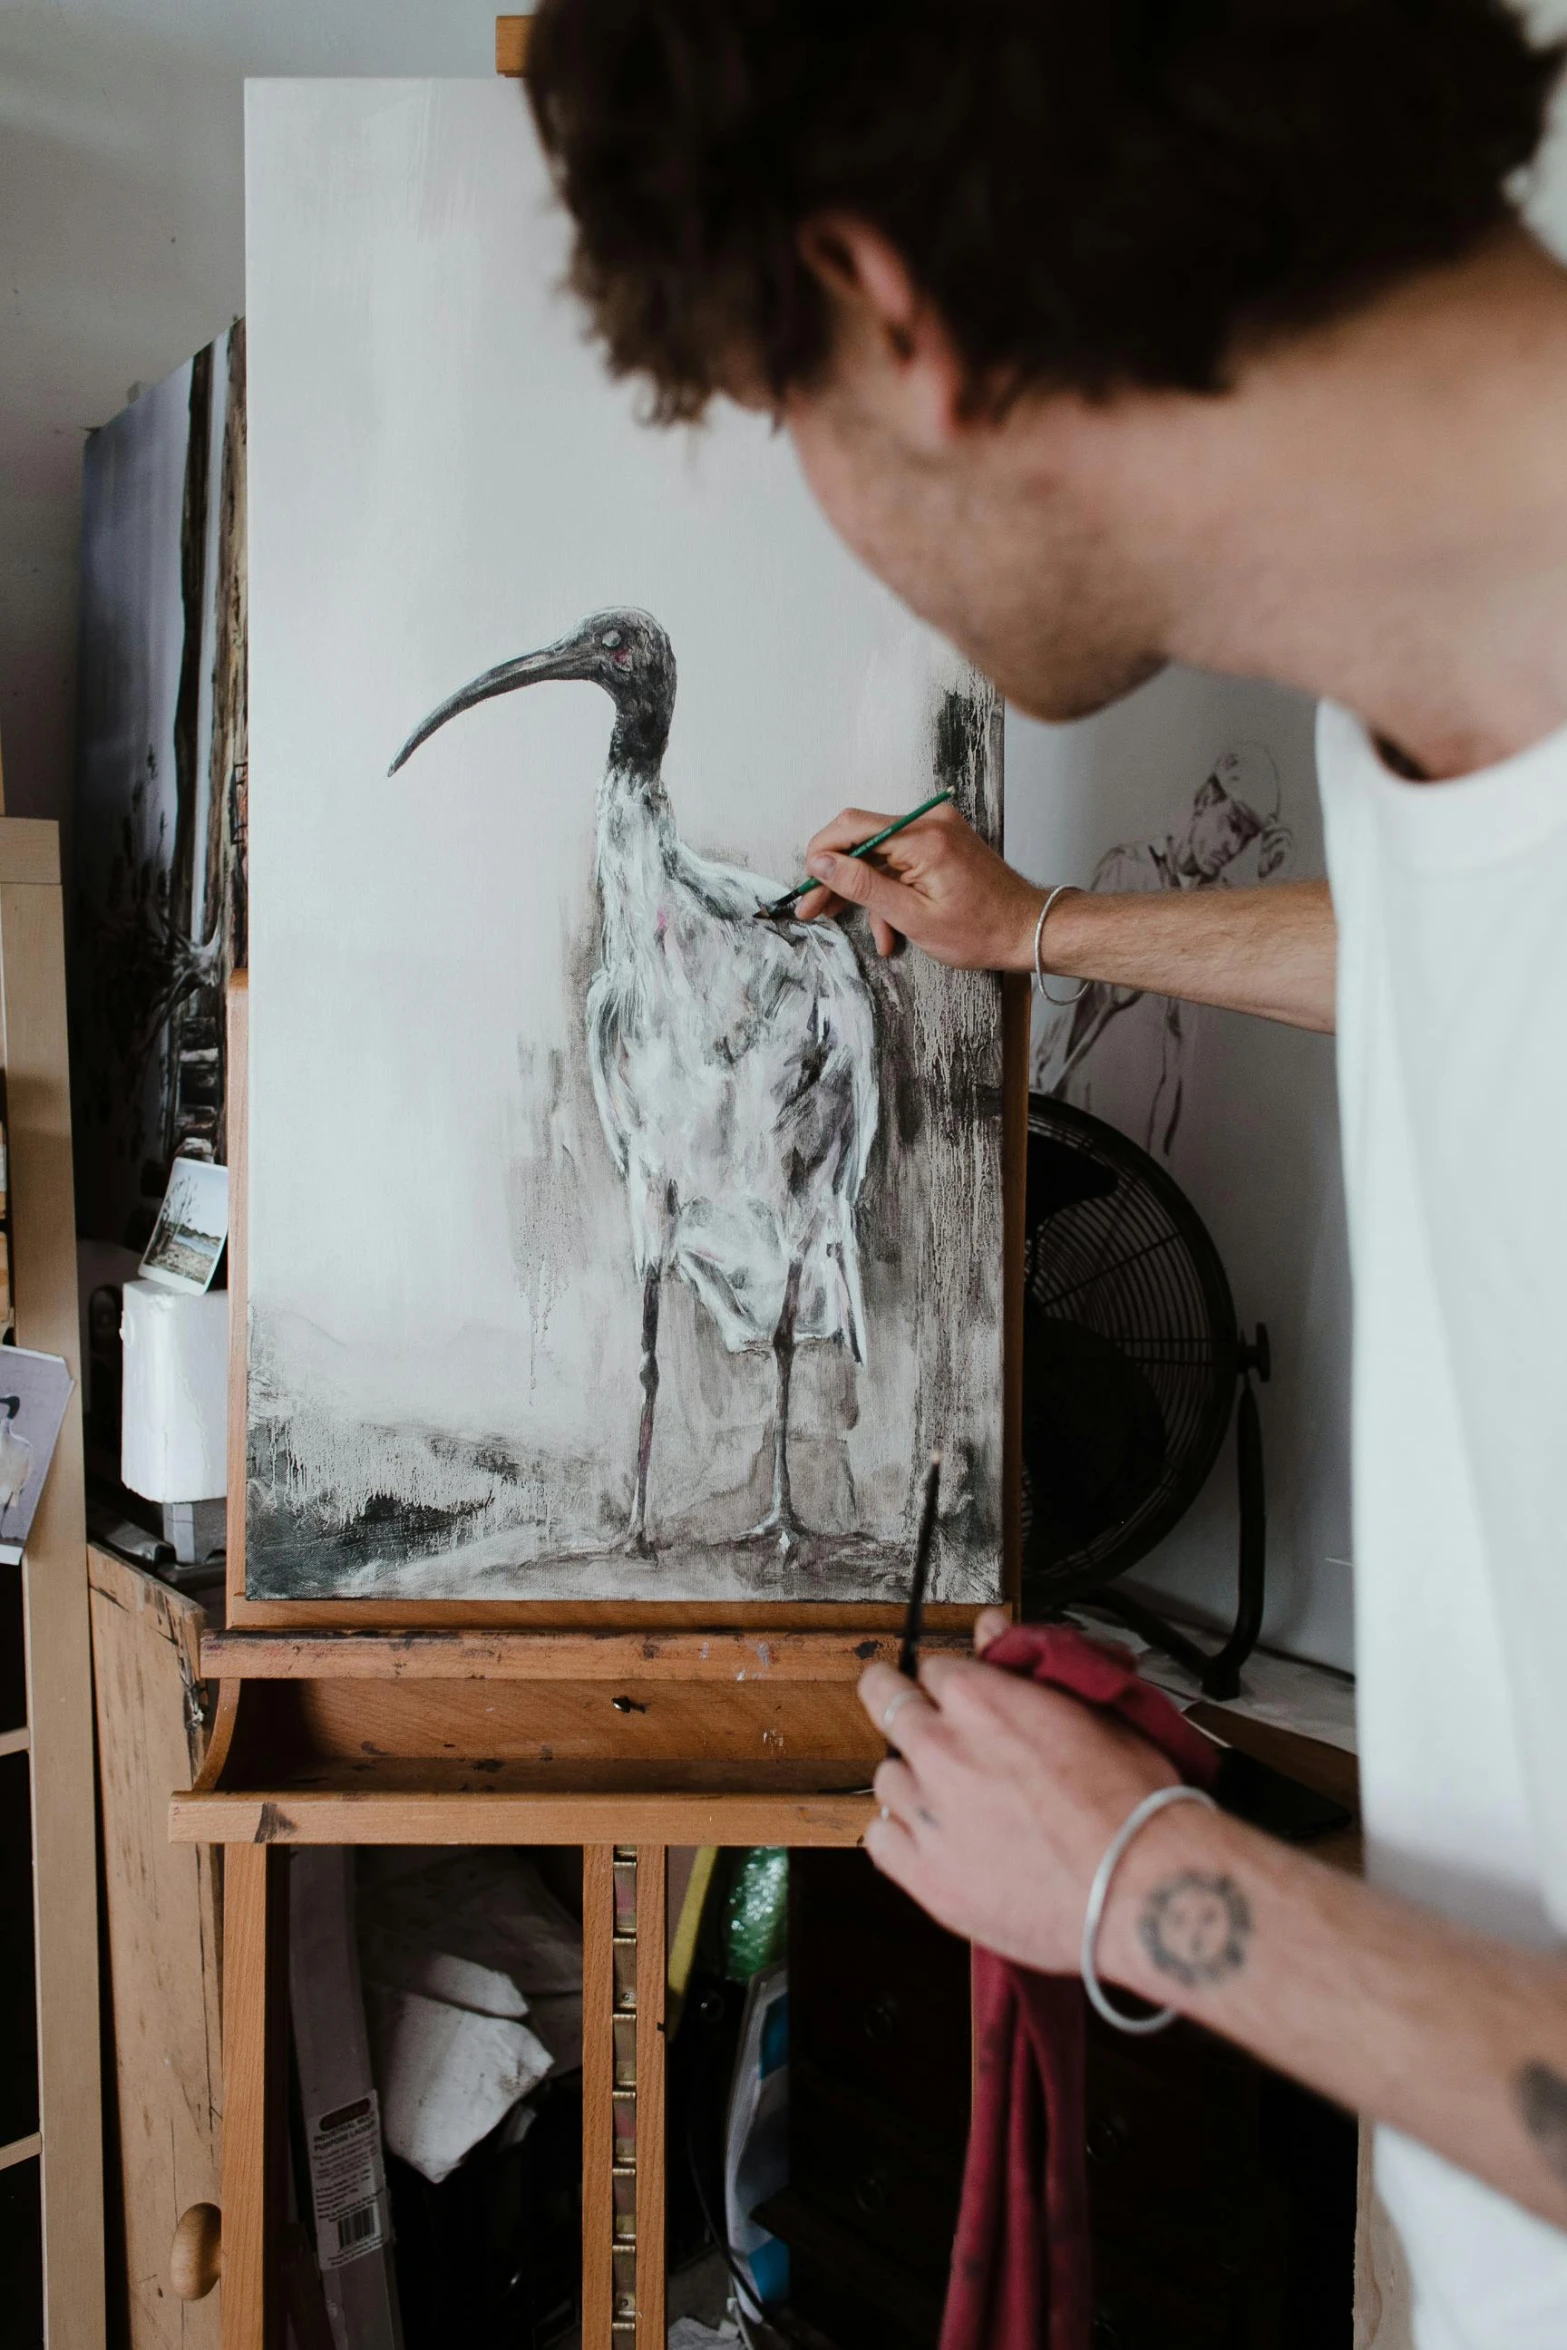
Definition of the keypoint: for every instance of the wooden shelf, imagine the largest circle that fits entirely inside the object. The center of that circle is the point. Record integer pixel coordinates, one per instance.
(58, 1739)
(723, 1656)
(408, 1816)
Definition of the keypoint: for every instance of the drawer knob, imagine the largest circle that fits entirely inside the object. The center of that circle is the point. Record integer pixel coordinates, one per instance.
(882, 2017)
(870, 2193)
(196, 2257)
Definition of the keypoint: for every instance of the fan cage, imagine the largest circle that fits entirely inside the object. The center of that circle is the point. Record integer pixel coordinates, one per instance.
(1137, 1268)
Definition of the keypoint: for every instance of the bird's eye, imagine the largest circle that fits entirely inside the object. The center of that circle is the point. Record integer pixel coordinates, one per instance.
(611, 637)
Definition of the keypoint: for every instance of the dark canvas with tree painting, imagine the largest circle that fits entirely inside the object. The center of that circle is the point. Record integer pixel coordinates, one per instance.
(158, 904)
(606, 1241)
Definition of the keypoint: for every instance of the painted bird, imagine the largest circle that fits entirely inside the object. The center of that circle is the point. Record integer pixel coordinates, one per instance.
(733, 1061)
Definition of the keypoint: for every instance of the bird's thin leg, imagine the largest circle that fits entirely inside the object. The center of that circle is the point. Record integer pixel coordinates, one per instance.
(637, 1532)
(783, 1356)
(780, 1519)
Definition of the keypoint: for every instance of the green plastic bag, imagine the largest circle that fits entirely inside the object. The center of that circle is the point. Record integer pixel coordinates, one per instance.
(756, 1912)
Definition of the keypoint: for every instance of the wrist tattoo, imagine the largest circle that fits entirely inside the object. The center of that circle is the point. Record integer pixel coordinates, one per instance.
(1196, 1928)
(1542, 2103)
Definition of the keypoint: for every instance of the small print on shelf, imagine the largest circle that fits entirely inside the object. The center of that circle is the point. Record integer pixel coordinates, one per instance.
(192, 1228)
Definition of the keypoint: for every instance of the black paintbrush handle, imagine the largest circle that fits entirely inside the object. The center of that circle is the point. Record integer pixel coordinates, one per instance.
(914, 1620)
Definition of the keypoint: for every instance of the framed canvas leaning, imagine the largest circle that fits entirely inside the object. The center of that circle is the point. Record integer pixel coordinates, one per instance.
(605, 1243)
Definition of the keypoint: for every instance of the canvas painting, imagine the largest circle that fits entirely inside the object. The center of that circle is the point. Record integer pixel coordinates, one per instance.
(159, 864)
(608, 1240)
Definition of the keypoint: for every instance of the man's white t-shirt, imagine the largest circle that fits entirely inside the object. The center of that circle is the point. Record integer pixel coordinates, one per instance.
(1452, 1050)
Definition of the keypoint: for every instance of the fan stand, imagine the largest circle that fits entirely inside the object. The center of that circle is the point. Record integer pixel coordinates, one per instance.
(1220, 1674)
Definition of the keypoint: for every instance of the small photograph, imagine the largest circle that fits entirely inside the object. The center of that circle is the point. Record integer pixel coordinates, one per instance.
(34, 1391)
(192, 1227)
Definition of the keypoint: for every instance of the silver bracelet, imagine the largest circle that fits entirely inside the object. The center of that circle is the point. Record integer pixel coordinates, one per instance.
(1062, 889)
(1098, 1893)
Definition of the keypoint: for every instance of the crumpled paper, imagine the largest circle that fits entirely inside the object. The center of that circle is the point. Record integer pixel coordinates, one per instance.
(456, 1948)
(448, 2076)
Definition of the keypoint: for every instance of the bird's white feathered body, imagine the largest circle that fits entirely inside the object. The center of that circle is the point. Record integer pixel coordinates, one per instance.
(734, 1067)
(733, 1061)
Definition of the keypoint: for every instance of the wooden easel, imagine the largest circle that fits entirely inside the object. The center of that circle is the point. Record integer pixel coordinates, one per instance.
(622, 1730)
(517, 1723)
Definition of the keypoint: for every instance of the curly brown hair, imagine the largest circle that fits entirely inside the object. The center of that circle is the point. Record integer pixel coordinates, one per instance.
(1094, 193)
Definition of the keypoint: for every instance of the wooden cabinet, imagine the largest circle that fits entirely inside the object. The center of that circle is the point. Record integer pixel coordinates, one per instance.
(51, 2162)
(161, 1935)
(879, 2073)
(1222, 2196)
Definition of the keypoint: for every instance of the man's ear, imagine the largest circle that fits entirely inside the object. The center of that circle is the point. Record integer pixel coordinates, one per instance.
(879, 306)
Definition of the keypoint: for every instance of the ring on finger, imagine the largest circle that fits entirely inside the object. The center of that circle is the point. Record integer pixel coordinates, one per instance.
(889, 1712)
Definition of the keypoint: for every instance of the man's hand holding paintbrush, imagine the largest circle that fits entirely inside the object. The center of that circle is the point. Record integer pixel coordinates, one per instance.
(1000, 1801)
(935, 882)
(1270, 949)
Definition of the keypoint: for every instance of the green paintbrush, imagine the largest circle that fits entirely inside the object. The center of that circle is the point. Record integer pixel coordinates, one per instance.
(780, 906)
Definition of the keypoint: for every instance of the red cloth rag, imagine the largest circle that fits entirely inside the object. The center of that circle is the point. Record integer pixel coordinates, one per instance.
(1020, 2261)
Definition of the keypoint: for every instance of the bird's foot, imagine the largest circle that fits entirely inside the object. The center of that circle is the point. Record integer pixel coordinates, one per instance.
(780, 1526)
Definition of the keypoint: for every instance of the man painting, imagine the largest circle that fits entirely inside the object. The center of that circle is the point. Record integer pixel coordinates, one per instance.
(1111, 335)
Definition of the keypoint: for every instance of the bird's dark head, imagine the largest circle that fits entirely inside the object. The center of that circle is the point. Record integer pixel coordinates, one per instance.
(625, 652)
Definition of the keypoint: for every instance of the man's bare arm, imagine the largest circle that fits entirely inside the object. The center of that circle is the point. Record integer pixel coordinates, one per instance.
(997, 1812)
(1271, 951)
(1453, 2038)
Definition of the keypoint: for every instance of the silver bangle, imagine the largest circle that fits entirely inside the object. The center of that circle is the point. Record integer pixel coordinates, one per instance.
(1062, 889)
(1098, 1893)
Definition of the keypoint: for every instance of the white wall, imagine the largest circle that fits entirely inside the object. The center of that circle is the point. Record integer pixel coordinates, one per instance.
(122, 251)
(1257, 1146)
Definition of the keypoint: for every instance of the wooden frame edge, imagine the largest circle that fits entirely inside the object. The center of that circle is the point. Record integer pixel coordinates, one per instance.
(462, 1653)
(512, 36)
(307, 1817)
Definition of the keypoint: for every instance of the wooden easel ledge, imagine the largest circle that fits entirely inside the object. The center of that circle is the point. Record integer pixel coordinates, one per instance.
(511, 45)
(343, 1816)
(465, 1655)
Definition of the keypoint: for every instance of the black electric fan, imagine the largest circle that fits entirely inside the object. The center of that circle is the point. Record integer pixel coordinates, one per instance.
(1131, 1361)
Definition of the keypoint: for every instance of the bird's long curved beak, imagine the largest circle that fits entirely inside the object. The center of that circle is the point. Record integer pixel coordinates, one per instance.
(564, 660)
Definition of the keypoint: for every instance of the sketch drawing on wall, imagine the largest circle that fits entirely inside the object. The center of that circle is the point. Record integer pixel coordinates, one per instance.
(1235, 807)
(645, 1248)
(159, 866)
